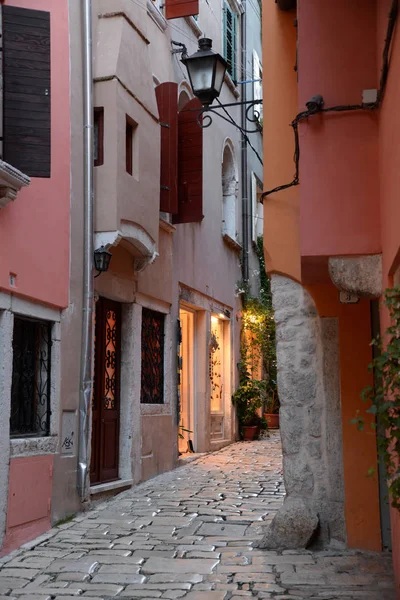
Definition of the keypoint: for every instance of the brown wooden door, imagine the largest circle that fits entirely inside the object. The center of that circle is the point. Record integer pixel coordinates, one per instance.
(106, 405)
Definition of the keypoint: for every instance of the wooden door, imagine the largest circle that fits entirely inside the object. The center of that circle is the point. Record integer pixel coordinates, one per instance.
(106, 402)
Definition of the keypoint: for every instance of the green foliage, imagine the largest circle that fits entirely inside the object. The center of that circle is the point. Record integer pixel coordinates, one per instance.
(258, 351)
(384, 397)
(249, 397)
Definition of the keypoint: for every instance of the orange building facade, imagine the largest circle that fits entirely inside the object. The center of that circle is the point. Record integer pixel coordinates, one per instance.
(332, 239)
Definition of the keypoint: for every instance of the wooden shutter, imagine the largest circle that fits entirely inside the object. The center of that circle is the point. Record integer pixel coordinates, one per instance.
(181, 8)
(26, 84)
(230, 38)
(167, 100)
(190, 165)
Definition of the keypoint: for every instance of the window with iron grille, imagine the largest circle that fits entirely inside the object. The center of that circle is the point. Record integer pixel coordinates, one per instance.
(152, 385)
(30, 391)
(229, 36)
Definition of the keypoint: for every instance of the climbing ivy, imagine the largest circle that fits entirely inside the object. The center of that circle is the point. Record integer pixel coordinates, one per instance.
(258, 340)
(384, 397)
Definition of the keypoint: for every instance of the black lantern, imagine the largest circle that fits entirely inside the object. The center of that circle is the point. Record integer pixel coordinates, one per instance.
(206, 71)
(102, 259)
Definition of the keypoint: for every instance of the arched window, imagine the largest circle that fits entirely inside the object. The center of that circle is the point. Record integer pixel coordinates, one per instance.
(229, 192)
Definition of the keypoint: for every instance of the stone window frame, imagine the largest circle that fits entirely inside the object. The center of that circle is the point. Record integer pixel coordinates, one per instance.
(10, 306)
(162, 307)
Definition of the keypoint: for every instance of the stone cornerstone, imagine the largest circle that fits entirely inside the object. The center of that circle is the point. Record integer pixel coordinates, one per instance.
(310, 421)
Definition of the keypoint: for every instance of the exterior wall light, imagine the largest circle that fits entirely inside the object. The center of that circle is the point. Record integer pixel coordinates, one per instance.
(102, 259)
(315, 104)
(206, 70)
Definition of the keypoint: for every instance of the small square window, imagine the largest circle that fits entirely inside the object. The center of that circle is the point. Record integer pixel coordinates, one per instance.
(30, 390)
(152, 388)
(98, 123)
(131, 148)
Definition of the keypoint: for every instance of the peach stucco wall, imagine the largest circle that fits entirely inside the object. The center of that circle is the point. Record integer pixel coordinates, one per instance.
(339, 184)
(34, 230)
(359, 448)
(281, 210)
(389, 161)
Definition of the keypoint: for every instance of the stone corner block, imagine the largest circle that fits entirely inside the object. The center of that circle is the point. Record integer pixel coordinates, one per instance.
(360, 275)
(292, 527)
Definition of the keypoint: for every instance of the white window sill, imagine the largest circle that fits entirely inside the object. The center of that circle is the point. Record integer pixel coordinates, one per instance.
(191, 21)
(11, 181)
(32, 446)
(156, 15)
(229, 241)
(229, 82)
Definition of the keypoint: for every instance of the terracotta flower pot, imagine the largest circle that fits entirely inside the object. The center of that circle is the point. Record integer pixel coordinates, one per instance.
(272, 420)
(250, 432)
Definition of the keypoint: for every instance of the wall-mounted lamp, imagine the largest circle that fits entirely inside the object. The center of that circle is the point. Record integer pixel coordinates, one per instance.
(315, 104)
(102, 259)
(206, 70)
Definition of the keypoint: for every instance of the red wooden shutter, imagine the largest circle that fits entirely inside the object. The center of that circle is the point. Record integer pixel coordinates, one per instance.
(181, 8)
(167, 100)
(190, 165)
(26, 90)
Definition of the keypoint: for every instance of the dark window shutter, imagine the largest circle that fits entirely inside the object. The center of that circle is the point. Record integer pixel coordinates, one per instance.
(181, 8)
(190, 165)
(26, 83)
(167, 100)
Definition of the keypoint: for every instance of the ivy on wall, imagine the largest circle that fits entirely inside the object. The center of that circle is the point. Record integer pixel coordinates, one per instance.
(384, 397)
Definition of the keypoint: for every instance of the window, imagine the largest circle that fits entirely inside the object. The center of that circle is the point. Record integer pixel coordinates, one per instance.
(98, 136)
(229, 194)
(257, 208)
(257, 84)
(229, 36)
(152, 384)
(30, 390)
(131, 150)
(26, 90)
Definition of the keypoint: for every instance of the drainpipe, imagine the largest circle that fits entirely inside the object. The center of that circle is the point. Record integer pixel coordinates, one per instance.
(245, 186)
(86, 381)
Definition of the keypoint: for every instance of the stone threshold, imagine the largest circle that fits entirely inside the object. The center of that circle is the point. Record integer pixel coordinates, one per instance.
(110, 486)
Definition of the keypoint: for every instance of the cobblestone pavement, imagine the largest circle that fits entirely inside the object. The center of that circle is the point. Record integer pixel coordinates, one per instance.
(189, 534)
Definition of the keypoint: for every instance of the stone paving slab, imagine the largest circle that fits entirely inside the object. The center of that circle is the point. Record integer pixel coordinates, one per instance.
(190, 534)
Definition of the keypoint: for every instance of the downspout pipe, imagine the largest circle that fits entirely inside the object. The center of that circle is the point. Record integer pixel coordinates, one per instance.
(245, 183)
(86, 381)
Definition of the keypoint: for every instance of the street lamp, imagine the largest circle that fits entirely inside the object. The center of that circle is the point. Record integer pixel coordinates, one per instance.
(206, 70)
(102, 259)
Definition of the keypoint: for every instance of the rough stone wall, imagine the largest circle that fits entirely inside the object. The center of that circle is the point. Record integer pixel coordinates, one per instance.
(310, 417)
(360, 275)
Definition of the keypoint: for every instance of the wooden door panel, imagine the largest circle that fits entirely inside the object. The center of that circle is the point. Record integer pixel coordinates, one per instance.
(106, 406)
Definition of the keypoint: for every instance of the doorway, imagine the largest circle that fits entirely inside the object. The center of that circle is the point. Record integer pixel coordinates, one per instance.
(187, 439)
(217, 380)
(106, 393)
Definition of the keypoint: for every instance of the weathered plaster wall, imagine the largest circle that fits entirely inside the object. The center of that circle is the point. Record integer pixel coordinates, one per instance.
(308, 381)
(39, 218)
(339, 180)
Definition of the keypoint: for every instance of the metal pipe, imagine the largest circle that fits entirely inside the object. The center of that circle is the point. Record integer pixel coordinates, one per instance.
(245, 185)
(86, 381)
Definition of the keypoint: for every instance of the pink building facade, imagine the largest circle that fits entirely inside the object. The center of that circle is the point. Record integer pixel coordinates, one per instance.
(34, 262)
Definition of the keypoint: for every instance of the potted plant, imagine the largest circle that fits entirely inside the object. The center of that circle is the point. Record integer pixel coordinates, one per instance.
(271, 410)
(248, 399)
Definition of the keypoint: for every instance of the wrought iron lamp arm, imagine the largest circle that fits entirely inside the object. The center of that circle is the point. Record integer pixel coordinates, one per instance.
(204, 119)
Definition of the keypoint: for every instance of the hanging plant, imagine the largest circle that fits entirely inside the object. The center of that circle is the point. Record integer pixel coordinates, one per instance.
(384, 397)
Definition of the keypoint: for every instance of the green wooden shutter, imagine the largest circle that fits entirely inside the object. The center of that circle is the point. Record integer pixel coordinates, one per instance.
(229, 38)
(26, 96)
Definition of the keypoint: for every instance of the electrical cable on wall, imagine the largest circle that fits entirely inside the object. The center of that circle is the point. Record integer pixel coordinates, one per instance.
(315, 105)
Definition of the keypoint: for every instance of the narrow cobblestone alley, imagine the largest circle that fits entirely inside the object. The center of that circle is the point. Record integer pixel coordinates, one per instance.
(189, 534)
